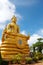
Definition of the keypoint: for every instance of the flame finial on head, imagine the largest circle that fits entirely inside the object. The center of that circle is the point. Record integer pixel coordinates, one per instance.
(14, 19)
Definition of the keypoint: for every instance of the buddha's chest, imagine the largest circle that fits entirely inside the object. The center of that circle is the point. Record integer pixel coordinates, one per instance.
(12, 28)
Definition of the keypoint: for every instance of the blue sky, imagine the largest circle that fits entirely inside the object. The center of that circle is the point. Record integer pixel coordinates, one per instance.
(29, 14)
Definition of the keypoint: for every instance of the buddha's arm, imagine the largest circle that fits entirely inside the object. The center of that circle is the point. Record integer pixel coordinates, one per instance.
(8, 28)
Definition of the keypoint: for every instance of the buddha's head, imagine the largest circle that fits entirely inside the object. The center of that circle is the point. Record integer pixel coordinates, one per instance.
(14, 19)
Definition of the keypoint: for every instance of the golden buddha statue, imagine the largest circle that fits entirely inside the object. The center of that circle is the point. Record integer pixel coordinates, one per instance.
(13, 27)
(13, 42)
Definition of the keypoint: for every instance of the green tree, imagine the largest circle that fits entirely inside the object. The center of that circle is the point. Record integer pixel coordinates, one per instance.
(38, 44)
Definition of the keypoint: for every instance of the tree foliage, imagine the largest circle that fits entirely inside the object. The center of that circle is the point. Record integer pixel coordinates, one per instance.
(38, 44)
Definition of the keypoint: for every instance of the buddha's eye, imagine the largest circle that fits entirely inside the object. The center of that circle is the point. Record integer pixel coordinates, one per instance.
(20, 41)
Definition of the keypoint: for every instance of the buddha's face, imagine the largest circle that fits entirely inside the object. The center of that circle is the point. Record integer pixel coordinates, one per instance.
(14, 19)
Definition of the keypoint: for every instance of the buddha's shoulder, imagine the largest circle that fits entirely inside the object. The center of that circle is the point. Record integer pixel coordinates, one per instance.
(10, 24)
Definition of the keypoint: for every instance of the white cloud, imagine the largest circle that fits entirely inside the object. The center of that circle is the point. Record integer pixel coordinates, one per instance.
(23, 32)
(0, 42)
(35, 36)
(2, 26)
(40, 32)
(7, 10)
(33, 39)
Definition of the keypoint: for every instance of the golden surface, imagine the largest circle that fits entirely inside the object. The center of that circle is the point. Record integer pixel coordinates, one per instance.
(0, 49)
(13, 42)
